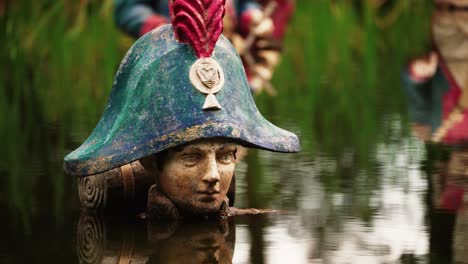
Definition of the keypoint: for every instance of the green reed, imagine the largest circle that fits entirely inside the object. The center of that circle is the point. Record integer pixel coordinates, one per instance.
(58, 60)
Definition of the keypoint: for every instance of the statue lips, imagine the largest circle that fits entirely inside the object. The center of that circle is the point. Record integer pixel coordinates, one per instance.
(208, 196)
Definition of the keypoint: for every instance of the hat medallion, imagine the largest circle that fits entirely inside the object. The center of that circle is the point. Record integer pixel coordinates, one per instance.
(207, 76)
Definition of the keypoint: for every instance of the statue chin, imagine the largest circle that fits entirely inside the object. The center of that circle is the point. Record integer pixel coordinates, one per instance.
(199, 209)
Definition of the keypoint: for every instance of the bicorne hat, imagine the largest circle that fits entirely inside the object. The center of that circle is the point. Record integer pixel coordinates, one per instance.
(177, 84)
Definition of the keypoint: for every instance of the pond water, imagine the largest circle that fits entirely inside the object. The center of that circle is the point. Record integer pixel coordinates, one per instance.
(330, 212)
(362, 190)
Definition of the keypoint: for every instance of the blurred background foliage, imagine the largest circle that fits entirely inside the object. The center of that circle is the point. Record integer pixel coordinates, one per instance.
(338, 80)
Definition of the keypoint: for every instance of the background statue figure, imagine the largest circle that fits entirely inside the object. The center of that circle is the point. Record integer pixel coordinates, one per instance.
(437, 84)
(256, 28)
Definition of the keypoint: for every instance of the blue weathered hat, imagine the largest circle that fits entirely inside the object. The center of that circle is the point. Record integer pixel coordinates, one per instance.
(167, 93)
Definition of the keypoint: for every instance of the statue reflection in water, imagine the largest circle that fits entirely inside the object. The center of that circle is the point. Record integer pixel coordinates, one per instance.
(436, 86)
(449, 199)
(101, 240)
(196, 242)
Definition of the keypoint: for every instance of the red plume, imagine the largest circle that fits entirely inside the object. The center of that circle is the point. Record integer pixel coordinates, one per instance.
(198, 23)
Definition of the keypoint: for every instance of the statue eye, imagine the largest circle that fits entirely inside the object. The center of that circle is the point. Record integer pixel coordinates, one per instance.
(226, 157)
(190, 160)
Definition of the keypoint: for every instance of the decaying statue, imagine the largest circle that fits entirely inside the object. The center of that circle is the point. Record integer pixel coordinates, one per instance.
(437, 84)
(179, 108)
(437, 89)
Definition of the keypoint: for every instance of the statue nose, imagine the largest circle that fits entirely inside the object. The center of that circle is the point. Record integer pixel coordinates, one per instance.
(212, 173)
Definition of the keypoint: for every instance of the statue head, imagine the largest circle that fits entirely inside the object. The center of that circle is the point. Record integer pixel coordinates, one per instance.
(196, 176)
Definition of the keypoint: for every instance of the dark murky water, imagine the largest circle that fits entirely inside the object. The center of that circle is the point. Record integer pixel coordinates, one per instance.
(389, 218)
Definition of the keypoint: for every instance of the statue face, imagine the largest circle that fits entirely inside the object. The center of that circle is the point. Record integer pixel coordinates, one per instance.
(450, 29)
(197, 176)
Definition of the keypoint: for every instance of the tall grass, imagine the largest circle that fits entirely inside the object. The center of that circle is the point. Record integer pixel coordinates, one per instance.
(338, 79)
(58, 60)
(342, 68)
